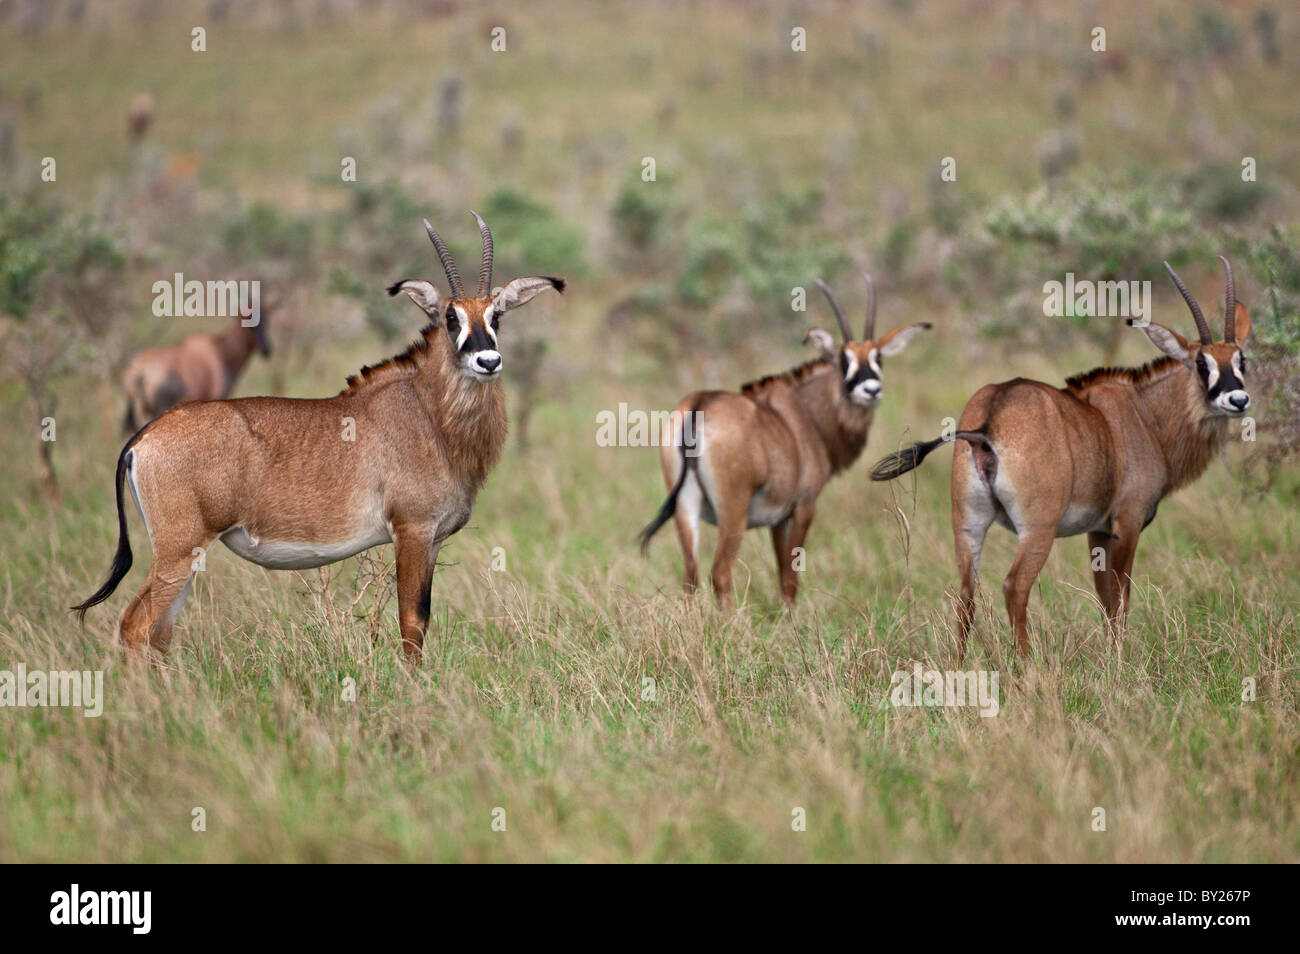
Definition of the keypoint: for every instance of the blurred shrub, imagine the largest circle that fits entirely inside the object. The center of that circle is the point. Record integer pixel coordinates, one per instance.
(269, 240)
(641, 212)
(1216, 36)
(22, 257)
(740, 269)
(530, 238)
(1216, 190)
(1274, 353)
(1098, 231)
(377, 239)
(772, 246)
(898, 247)
(59, 280)
(1275, 261)
(711, 261)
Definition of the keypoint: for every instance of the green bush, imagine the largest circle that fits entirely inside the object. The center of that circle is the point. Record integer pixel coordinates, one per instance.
(266, 238)
(530, 238)
(1100, 232)
(771, 247)
(641, 213)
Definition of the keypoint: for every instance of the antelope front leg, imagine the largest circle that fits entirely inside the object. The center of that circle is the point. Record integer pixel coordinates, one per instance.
(784, 564)
(416, 554)
(1123, 549)
(788, 537)
(1104, 578)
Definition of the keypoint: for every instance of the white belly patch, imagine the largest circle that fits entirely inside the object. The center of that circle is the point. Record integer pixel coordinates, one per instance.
(298, 554)
(1078, 519)
(763, 514)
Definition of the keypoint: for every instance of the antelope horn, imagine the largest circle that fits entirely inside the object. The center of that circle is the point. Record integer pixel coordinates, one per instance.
(870, 331)
(484, 270)
(839, 315)
(1201, 326)
(1230, 308)
(449, 266)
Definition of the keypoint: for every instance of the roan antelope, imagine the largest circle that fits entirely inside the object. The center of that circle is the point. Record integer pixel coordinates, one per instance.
(761, 457)
(1094, 457)
(398, 456)
(202, 367)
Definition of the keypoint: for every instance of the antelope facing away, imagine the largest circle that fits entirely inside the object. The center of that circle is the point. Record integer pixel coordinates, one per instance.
(398, 456)
(1094, 457)
(202, 367)
(761, 457)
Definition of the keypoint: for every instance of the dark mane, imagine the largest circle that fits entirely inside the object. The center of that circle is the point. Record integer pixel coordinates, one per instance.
(1132, 375)
(793, 376)
(399, 365)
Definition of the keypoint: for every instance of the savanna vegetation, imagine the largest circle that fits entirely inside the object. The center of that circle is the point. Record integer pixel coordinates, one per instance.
(565, 679)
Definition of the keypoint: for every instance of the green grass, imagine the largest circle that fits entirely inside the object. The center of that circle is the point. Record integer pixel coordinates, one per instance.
(530, 697)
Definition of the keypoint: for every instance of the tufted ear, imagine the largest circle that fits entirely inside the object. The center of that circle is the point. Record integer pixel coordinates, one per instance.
(425, 294)
(822, 341)
(1168, 341)
(898, 339)
(523, 290)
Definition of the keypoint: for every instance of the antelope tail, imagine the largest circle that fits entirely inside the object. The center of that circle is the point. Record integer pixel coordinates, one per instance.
(909, 458)
(122, 559)
(689, 463)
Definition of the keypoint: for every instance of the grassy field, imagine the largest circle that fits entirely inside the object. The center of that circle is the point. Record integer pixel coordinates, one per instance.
(533, 695)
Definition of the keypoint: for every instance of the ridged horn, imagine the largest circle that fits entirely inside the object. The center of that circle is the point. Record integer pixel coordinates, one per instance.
(1202, 328)
(870, 331)
(485, 269)
(449, 266)
(839, 315)
(1230, 306)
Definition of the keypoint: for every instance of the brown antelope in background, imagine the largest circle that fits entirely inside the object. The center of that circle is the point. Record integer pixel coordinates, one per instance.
(761, 457)
(139, 116)
(202, 367)
(1094, 457)
(398, 456)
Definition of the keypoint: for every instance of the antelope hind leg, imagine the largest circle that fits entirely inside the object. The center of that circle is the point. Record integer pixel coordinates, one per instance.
(687, 521)
(732, 520)
(133, 626)
(973, 512)
(1104, 579)
(1035, 545)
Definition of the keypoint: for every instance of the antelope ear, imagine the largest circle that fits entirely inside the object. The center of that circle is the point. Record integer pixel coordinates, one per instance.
(898, 339)
(424, 294)
(822, 341)
(1241, 324)
(523, 290)
(1168, 341)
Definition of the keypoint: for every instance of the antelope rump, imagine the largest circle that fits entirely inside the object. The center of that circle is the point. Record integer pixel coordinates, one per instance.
(760, 457)
(1096, 457)
(202, 367)
(398, 456)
